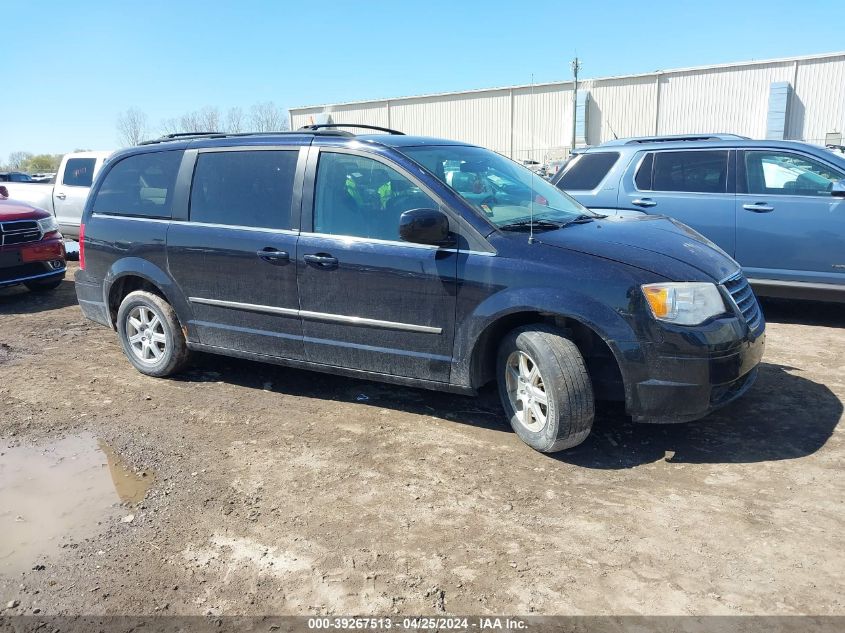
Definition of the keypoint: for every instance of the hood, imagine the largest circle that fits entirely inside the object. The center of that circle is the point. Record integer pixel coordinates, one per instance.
(651, 242)
(15, 210)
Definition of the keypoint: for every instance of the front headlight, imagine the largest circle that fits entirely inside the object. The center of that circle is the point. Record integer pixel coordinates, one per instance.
(48, 225)
(684, 303)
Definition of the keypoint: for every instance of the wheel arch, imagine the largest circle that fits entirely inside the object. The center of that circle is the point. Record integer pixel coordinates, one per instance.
(130, 274)
(595, 328)
(602, 361)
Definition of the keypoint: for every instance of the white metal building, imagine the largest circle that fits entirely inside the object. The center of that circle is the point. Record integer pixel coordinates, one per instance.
(793, 98)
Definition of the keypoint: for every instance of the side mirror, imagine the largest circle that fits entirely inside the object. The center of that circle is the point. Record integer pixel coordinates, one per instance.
(838, 189)
(425, 226)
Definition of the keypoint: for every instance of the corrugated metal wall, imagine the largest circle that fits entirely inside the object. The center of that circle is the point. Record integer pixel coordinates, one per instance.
(536, 122)
(542, 121)
(723, 100)
(621, 107)
(473, 118)
(818, 103)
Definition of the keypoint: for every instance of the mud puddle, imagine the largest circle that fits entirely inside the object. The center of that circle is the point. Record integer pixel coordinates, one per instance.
(59, 492)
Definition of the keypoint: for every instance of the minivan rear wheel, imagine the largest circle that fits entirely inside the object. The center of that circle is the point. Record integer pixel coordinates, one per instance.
(545, 388)
(150, 334)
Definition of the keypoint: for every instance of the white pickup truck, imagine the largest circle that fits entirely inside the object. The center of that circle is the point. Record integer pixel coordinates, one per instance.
(66, 198)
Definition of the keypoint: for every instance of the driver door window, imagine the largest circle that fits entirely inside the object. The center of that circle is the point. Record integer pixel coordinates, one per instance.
(362, 197)
(787, 174)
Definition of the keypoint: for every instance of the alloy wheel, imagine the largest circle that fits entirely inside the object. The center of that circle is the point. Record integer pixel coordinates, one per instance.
(145, 333)
(526, 391)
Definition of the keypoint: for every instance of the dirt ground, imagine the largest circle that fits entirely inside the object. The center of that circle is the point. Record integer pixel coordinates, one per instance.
(274, 491)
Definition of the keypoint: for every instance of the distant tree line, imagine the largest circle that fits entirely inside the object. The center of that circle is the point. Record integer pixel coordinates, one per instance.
(32, 163)
(133, 125)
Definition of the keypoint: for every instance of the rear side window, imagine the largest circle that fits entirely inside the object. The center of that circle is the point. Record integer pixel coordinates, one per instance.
(244, 188)
(140, 185)
(79, 172)
(587, 171)
(691, 171)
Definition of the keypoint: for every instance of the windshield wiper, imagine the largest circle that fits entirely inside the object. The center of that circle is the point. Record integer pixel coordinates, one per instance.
(541, 224)
(581, 219)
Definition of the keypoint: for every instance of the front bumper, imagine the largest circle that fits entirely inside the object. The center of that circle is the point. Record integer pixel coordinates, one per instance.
(33, 261)
(678, 388)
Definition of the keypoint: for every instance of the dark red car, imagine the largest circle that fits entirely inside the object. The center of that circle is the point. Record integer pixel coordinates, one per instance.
(32, 251)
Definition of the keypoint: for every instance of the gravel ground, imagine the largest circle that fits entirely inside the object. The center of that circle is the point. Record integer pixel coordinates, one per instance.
(275, 491)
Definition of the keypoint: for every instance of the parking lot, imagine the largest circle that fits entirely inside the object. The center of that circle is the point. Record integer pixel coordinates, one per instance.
(270, 490)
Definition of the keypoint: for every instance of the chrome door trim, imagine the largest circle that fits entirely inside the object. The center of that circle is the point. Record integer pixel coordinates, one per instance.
(134, 218)
(377, 323)
(252, 307)
(319, 316)
(355, 239)
(238, 227)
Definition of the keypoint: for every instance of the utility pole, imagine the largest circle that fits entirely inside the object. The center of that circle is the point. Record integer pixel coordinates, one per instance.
(576, 66)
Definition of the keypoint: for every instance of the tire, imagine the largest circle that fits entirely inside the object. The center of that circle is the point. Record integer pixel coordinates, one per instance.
(44, 286)
(563, 378)
(150, 334)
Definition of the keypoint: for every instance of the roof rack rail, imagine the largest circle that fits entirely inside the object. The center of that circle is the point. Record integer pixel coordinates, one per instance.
(182, 135)
(319, 126)
(194, 135)
(685, 137)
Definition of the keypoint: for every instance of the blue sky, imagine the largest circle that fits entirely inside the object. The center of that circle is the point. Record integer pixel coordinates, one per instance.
(70, 68)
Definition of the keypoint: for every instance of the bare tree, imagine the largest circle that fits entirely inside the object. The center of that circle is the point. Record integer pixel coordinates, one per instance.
(132, 126)
(17, 159)
(268, 117)
(263, 117)
(209, 119)
(234, 120)
(205, 120)
(170, 126)
(189, 122)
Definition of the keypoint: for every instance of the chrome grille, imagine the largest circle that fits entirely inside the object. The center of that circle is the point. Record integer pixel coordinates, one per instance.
(19, 232)
(743, 296)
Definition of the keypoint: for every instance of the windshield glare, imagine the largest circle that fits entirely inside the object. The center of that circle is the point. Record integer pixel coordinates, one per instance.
(501, 189)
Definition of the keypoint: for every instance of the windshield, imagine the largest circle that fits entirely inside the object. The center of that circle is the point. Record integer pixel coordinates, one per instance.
(501, 189)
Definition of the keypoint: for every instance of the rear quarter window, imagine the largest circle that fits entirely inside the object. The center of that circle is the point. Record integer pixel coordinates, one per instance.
(79, 172)
(643, 177)
(587, 171)
(140, 186)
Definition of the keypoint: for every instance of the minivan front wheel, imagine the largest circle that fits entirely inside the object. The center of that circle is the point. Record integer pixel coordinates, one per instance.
(545, 388)
(150, 334)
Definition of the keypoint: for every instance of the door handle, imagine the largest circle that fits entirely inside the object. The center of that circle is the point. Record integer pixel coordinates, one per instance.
(273, 256)
(61, 196)
(321, 260)
(758, 207)
(644, 202)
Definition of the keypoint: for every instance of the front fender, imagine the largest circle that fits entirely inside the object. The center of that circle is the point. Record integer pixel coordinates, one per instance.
(608, 323)
(138, 267)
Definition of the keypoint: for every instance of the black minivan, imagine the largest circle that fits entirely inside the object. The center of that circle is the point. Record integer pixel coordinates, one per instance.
(417, 261)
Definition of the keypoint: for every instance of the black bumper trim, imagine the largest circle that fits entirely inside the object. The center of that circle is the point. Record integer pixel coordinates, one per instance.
(20, 280)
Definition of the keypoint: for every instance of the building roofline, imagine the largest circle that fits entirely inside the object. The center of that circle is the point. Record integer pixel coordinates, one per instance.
(654, 73)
